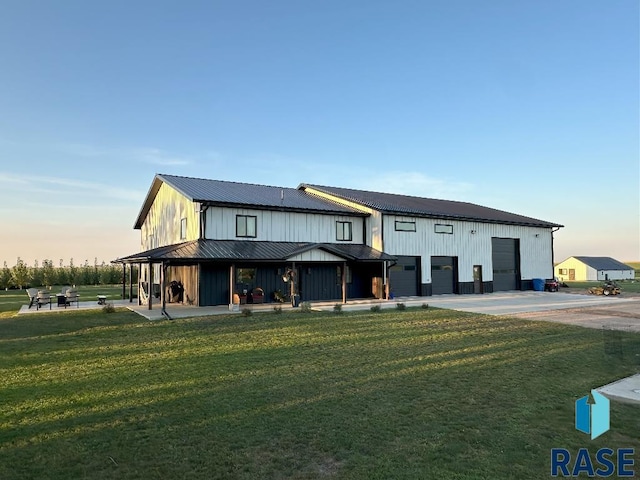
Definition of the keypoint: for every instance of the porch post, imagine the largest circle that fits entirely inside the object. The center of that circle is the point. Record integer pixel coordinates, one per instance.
(124, 279)
(139, 283)
(130, 282)
(344, 282)
(163, 276)
(232, 275)
(385, 280)
(150, 296)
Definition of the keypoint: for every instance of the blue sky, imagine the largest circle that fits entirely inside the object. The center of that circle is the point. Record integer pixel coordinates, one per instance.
(530, 107)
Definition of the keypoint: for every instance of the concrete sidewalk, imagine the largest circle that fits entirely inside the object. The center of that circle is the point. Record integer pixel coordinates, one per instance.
(510, 303)
(87, 305)
(626, 390)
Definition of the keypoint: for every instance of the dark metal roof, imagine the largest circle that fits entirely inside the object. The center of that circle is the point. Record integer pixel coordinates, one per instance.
(428, 207)
(256, 251)
(220, 192)
(604, 263)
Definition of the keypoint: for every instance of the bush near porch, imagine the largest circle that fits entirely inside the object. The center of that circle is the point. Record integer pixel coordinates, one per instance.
(420, 393)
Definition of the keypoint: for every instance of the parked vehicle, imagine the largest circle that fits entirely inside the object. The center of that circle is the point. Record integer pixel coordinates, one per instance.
(551, 285)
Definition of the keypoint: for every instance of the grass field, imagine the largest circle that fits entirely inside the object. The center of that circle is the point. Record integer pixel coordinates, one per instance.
(625, 286)
(636, 267)
(12, 300)
(392, 395)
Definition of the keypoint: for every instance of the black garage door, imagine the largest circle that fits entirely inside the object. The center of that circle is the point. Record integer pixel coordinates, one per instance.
(403, 276)
(443, 275)
(505, 253)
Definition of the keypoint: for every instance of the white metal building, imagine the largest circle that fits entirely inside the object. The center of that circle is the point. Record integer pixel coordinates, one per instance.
(223, 238)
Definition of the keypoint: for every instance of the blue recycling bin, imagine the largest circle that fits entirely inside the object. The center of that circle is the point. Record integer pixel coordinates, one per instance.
(295, 301)
(538, 284)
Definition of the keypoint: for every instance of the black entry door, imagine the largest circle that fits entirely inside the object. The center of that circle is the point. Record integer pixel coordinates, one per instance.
(477, 279)
(443, 275)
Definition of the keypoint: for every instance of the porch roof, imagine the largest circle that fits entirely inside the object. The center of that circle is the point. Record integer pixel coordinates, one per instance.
(255, 251)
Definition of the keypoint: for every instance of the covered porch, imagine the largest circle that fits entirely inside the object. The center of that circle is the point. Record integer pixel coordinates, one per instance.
(204, 273)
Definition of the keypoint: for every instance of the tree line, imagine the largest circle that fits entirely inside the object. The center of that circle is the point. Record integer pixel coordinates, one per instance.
(46, 274)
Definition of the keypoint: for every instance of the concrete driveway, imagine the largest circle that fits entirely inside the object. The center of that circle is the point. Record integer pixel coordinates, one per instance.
(590, 311)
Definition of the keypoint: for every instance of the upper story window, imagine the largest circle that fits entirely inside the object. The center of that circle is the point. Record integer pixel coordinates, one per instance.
(183, 229)
(246, 226)
(439, 228)
(344, 231)
(402, 226)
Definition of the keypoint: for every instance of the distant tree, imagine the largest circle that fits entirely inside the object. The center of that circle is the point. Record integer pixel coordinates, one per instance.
(62, 276)
(5, 276)
(85, 274)
(72, 272)
(49, 276)
(95, 274)
(20, 274)
(36, 275)
(110, 274)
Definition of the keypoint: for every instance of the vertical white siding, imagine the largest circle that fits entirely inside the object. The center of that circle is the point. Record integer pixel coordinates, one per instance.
(373, 224)
(277, 226)
(470, 248)
(315, 255)
(162, 225)
(375, 238)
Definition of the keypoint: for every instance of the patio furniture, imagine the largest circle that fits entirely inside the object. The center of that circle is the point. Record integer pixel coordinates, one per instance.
(257, 295)
(72, 296)
(33, 293)
(43, 298)
(102, 299)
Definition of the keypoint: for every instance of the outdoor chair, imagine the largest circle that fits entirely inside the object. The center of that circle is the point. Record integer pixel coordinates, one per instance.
(43, 298)
(257, 295)
(33, 293)
(72, 296)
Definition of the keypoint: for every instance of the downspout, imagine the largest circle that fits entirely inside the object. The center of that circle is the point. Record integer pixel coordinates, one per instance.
(364, 230)
(203, 221)
(553, 262)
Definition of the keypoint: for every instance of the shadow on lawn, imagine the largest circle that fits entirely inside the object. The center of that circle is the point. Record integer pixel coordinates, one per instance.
(249, 398)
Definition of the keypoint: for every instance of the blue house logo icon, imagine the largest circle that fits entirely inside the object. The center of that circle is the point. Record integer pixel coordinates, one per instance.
(592, 418)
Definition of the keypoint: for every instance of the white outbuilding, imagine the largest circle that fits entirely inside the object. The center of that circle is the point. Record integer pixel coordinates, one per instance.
(582, 269)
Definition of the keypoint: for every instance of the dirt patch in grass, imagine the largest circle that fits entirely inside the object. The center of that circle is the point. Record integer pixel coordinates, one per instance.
(621, 316)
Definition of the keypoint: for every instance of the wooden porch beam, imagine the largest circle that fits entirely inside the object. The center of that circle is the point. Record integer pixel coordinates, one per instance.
(150, 296)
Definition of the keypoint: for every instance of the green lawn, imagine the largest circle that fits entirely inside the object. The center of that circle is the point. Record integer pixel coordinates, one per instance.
(12, 300)
(393, 395)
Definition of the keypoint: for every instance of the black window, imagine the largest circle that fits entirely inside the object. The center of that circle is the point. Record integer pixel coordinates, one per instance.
(343, 231)
(439, 228)
(246, 226)
(402, 226)
(245, 275)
